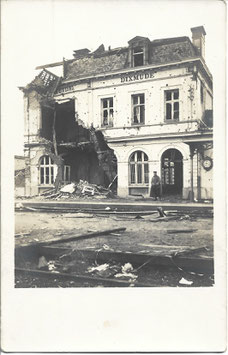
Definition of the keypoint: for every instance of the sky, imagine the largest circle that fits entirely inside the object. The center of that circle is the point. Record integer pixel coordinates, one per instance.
(45, 31)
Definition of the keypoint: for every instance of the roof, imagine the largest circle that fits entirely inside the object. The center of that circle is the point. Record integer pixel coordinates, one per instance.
(161, 51)
(45, 83)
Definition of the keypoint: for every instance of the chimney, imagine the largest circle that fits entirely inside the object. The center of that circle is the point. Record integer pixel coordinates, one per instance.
(198, 39)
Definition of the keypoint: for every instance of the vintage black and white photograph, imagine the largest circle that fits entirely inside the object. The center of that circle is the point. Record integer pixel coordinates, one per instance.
(112, 109)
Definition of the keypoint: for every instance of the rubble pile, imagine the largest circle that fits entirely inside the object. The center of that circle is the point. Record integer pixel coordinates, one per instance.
(81, 189)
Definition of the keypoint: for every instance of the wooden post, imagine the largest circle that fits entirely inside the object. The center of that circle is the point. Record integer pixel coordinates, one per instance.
(54, 133)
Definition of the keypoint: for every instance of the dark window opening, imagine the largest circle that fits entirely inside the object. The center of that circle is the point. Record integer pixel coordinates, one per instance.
(138, 56)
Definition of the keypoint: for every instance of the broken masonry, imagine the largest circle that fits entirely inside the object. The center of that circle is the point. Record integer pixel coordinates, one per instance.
(79, 153)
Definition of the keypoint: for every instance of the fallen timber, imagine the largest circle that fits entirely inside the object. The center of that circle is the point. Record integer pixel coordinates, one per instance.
(80, 278)
(185, 259)
(207, 213)
(71, 238)
(89, 211)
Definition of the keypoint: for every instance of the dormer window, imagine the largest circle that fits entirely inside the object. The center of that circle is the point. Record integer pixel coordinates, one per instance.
(138, 56)
(139, 51)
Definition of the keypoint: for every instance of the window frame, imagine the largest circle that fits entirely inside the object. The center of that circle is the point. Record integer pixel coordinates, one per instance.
(139, 105)
(48, 168)
(108, 109)
(171, 102)
(136, 55)
(139, 169)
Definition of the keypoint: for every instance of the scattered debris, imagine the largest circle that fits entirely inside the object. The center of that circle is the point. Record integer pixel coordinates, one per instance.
(78, 189)
(106, 247)
(51, 266)
(21, 234)
(102, 267)
(190, 251)
(70, 188)
(127, 272)
(59, 238)
(130, 276)
(42, 263)
(161, 212)
(183, 281)
(127, 268)
(171, 231)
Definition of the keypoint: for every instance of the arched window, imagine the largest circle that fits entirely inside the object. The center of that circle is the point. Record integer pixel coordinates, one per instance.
(46, 170)
(139, 168)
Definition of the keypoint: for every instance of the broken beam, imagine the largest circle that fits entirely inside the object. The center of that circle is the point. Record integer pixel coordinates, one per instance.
(194, 263)
(74, 238)
(56, 64)
(65, 276)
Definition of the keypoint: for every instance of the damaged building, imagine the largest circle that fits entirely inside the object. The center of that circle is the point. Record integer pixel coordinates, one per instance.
(126, 111)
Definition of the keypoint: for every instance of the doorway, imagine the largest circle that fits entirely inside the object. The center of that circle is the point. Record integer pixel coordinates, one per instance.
(172, 172)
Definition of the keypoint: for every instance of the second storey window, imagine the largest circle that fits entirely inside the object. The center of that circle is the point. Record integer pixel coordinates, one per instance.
(138, 109)
(107, 111)
(172, 105)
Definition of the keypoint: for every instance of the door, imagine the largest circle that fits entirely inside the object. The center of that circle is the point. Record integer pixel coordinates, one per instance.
(172, 172)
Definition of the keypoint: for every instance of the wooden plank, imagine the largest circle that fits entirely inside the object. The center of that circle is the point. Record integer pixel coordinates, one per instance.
(167, 246)
(56, 64)
(193, 263)
(73, 238)
(65, 276)
(173, 231)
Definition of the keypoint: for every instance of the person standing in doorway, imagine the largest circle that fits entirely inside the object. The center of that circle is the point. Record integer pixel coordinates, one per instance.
(155, 186)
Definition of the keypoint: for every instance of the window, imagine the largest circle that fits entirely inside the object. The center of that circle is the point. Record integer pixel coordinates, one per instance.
(139, 168)
(107, 111)
(138, 56)
(172, 105)
(138, 109)
(46, 170)
(66, 173)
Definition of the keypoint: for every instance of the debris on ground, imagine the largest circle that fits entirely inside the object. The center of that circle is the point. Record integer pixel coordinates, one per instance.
(183, 281)
(127, 267)
(106, 247)
(102, 267)
(161, 212)
(78, 189)
(174, 231)
(127, 273)
(42, 263)
(70, 188)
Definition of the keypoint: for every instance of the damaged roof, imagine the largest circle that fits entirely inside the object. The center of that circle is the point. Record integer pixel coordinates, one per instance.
(161, 51)
(45, 83)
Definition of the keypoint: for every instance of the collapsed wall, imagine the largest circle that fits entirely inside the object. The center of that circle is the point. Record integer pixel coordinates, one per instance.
(52, 130)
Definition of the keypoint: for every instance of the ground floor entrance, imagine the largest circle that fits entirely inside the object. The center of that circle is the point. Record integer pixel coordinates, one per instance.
(172, 172)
